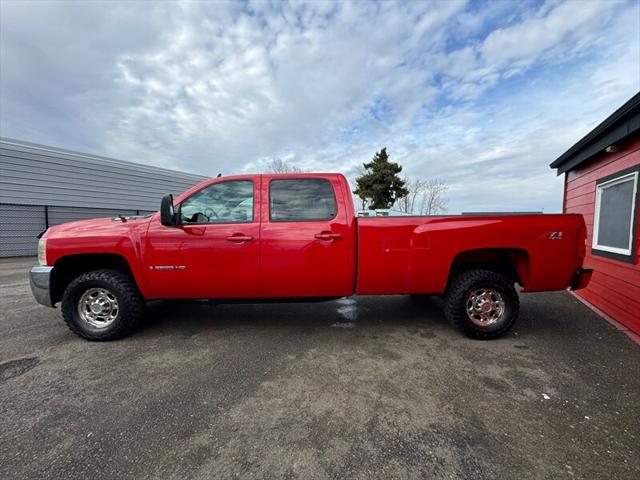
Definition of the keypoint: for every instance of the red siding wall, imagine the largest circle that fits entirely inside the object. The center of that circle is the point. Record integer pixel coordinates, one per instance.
(615, 285)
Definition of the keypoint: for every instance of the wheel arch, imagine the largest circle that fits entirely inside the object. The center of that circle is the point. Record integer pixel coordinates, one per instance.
(510, 262)
(70, 267)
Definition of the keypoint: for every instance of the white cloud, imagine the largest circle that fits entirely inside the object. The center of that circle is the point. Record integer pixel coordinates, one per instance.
(483, 97)
(558, 30)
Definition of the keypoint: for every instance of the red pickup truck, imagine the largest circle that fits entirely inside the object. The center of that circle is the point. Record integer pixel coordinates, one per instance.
(265, 237)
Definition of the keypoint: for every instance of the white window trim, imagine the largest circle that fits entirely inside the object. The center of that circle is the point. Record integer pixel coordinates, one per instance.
(596, 217)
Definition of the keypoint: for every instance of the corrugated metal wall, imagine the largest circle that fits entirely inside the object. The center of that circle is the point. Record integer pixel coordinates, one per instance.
(19, 225)
(39, 175)
(73, 186)
(58, 215)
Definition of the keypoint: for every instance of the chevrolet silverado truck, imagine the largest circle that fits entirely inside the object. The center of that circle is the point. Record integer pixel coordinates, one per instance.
(253, 238)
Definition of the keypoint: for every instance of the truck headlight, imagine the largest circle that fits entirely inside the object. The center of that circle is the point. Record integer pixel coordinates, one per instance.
(42, 252)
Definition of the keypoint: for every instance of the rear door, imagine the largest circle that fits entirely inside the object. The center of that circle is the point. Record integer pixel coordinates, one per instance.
(304, 238)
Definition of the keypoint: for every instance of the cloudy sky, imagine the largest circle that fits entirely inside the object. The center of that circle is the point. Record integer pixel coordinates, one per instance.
(483, 95)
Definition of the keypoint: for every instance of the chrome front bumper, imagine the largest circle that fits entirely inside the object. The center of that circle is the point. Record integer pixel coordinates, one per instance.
(40, 280)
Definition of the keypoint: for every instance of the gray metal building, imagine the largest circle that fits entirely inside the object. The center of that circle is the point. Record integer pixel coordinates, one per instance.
(41, 186)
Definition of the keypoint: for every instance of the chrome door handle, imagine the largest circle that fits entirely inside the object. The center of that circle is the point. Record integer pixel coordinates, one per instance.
(328, 236)
(239, 238)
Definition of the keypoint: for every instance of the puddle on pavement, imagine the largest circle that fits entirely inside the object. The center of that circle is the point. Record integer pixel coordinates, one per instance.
(15, 368)
(343, 325)
(348, 310)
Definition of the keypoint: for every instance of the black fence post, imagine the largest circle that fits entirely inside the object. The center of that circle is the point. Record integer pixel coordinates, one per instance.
(46, 216)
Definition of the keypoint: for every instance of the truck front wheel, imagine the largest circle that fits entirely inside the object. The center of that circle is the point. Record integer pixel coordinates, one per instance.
(482, 304)
(102, 305)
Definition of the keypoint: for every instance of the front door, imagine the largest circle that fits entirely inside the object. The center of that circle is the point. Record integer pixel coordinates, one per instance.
(213, 251)
(304, 238)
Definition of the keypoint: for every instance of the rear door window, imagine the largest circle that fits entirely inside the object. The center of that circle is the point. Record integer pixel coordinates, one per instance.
(301, 200)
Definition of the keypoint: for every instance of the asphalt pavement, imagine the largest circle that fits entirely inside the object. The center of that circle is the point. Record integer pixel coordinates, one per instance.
(373, 387)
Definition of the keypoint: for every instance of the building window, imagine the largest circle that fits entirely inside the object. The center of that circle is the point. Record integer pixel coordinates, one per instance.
(615, 218)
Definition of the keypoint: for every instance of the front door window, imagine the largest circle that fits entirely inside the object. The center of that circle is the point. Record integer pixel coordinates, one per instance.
(225, 202)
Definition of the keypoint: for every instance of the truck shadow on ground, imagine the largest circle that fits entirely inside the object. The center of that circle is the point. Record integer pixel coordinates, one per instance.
(546, 315)
(346, 313)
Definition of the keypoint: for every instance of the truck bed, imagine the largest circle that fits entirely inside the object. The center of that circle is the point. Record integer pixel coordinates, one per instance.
(400, 255)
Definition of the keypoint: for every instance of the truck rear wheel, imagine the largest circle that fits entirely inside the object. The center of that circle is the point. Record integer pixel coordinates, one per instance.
(102, 305)
(481, 304)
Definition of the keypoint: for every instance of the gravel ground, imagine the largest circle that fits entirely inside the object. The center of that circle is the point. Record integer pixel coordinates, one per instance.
(374, 387)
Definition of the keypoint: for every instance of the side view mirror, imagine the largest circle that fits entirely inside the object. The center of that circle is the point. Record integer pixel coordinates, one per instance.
(167, 212)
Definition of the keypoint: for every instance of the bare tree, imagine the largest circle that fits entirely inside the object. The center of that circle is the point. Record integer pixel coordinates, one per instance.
(279, 165)
(433, 200)
(416, 188)
(426, 197)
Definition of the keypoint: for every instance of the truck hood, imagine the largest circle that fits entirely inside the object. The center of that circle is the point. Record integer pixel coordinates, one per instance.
(95, 227)
(98, 235)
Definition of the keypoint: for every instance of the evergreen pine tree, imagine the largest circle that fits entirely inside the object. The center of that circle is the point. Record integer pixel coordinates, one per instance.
(380, 184)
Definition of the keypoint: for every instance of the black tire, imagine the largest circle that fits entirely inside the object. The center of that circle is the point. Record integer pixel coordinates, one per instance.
(129, 301)
(458, 294)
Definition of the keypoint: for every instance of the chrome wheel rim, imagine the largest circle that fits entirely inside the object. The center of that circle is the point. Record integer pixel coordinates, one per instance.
(98, 307)
(485, 307)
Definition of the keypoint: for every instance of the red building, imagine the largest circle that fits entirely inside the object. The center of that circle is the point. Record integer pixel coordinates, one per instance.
(601, 182)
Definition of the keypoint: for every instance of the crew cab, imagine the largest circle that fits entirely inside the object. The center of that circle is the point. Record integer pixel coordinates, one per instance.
(296, 236)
